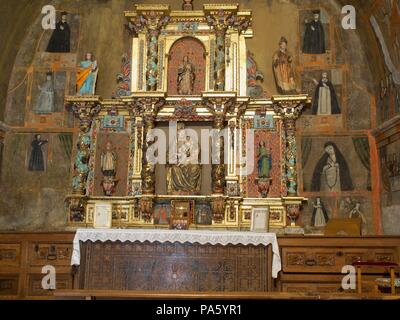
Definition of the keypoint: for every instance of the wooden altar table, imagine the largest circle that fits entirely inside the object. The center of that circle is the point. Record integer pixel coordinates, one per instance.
(175, 261)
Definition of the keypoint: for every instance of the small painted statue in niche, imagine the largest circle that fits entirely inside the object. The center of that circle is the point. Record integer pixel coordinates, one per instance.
(87, 76)
(264, 167)
(314, 36)
(320, 216)
(283, 69)
(45, 103)
(36, 160)
(60, 39)
(186, 77)
(331, 173)
(264, 160)
(325, 101)
(109, 169)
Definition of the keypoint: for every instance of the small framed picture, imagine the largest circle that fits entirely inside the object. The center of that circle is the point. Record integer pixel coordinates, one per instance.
(260, 220)
(102, 216)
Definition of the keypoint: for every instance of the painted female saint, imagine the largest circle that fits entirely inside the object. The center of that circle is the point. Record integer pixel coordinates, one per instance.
(332, 172)
(36, 160)
(186, 77)
(87, 76)
(319, 216)
(45, 103)
(283, 69)
(264, 161)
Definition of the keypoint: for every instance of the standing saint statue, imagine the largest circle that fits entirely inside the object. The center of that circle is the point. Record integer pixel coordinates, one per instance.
(186, 77)
(45, 103)
(314, 36)
(325, 101)
(185, 176)
(283, 69)
(108, 165)
(60, 39)
(264, 161)
(108, 161)
(87, 76)
(36, 160)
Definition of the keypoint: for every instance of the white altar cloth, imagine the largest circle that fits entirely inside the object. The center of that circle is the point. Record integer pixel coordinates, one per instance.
(181, 236)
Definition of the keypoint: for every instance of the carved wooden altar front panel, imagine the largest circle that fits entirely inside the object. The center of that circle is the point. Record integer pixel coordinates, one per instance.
(175, 267)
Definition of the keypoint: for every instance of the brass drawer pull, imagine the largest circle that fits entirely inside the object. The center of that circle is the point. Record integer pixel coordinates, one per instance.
(311, 262)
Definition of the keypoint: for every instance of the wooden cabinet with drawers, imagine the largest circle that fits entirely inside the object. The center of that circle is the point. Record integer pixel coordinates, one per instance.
(309, 264)
(22, 257)
(314, 264)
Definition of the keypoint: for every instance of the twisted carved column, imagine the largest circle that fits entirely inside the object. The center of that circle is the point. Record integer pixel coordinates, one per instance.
(148, 174)
(151, 22)
(149, 107)
(290, 110)
(85, 111)
(218, 170)
(220, 20)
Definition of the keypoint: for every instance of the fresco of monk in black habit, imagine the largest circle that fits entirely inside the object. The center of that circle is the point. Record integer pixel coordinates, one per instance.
(36, 161)
(314, 36)
(331, 173)
(325, 100)
(60, 39)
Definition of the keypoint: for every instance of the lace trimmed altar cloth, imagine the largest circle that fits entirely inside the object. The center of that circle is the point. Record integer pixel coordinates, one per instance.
(192, 236)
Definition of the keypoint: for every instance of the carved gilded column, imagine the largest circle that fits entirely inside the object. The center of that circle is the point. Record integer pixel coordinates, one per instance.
(219, 105)
(85, 109)
(233, 148)
(289, 108)
(148, 107)
(218, 170)
(150, 19)
(221, 18)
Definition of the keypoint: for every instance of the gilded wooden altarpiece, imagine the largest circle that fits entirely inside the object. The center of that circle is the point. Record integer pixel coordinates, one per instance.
(164, 66)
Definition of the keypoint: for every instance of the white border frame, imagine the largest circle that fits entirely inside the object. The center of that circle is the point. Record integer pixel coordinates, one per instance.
(261, 224)
(107, 215)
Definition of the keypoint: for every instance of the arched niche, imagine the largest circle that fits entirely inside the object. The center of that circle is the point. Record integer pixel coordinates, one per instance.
(196, 52)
